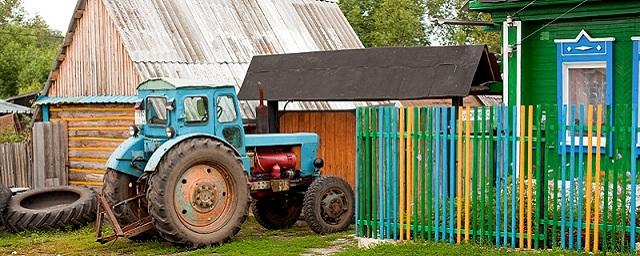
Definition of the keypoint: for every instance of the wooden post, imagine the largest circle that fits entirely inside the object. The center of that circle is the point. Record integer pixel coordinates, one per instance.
(274, 116)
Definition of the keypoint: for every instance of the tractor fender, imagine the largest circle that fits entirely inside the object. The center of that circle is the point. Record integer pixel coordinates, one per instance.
(121, 159)
(157, 156)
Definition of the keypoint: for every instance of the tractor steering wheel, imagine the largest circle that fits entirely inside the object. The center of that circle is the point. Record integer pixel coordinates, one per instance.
(219, 111)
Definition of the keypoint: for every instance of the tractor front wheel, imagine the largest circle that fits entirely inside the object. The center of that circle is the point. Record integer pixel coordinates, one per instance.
(329, 205)
(279, 212)
(199, 194)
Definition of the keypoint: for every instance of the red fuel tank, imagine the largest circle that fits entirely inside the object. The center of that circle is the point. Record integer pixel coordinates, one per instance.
(274, 163)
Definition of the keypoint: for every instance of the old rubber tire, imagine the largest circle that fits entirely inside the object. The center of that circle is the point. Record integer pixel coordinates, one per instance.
(199, 194)
(329, 205)
(119, 187)
(5, 197)
(51, 208)
(279, 212)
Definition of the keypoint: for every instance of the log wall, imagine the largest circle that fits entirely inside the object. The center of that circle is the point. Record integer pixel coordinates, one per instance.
(95, 131)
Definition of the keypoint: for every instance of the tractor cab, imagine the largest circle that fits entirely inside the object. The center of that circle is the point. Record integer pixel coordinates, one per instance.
(169, 111)
(171, 108)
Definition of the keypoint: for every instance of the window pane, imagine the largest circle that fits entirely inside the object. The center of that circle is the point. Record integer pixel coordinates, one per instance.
(157, 110)
(226, 109)
(195, 110)
(588, 86)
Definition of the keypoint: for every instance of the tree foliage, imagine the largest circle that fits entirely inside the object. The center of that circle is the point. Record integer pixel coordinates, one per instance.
(387, 23)
(460, 35)
(28, 48)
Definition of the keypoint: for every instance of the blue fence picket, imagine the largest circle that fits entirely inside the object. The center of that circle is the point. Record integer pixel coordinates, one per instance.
(452, 157)
(632, 206)
(445, 163)
(563, 152)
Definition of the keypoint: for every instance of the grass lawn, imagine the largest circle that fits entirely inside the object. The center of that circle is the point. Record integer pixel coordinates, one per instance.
(252, 240)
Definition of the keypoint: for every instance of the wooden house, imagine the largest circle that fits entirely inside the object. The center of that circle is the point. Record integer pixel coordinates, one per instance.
(571, 53)
(113, 45)
(567, 51)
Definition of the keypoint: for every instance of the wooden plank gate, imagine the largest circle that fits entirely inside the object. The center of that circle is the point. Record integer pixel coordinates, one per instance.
(528, 177)
(50, 141)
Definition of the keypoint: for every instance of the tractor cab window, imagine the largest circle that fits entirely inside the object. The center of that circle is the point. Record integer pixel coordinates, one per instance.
(226, 109)
(196, 110)
(157, 110)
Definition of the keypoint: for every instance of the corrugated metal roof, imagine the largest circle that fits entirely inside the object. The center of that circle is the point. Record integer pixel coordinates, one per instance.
(86, 100)
(215, 40)
(490, 100)
(175, 83)
(10, 108)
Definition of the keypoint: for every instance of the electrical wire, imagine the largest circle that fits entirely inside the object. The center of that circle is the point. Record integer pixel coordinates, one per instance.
(523, 8)
(551, 22)
(31, 35)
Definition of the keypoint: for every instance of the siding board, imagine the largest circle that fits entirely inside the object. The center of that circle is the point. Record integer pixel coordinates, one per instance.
(337, 132)
(96, 61)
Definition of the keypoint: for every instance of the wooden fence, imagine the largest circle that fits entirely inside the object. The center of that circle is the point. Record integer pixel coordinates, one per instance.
(15, 164)
(521, 177)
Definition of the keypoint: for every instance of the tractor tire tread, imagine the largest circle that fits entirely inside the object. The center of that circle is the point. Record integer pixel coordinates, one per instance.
(75, 215)
(311, 196)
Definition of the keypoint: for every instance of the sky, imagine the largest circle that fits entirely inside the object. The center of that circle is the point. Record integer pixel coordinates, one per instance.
(57, 13)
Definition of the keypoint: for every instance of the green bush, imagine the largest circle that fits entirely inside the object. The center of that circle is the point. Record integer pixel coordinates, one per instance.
(10, 136)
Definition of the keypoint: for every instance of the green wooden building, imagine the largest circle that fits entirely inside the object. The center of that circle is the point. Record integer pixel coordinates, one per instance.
(570, 52)
(546, 40)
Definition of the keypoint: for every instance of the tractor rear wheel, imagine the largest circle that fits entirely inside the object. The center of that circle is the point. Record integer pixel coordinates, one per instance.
(199, 194)
(279, 212)
(329, 205)
(119, 187)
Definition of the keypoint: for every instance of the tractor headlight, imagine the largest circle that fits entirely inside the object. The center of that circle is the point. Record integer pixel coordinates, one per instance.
(134, 130)
(170, 132)
(318, 163)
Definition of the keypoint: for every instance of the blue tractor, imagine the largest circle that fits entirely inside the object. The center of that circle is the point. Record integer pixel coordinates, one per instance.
(189, 172)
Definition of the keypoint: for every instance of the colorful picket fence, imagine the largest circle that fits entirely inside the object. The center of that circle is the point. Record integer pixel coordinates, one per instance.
(528, 177)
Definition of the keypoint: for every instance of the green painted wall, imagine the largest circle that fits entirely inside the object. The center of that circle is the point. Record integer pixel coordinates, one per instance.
(619, 19)
(539, 70)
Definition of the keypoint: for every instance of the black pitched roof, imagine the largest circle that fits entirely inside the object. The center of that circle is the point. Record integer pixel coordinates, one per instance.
(371, 74)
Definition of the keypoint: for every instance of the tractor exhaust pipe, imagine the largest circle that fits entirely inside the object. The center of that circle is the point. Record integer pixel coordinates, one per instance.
(262, 113)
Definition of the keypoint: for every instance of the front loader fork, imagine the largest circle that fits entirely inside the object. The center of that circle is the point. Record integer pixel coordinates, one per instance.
(105, 212)
(128, 231)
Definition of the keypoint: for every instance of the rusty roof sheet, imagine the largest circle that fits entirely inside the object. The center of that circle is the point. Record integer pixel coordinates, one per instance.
(214, 40)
